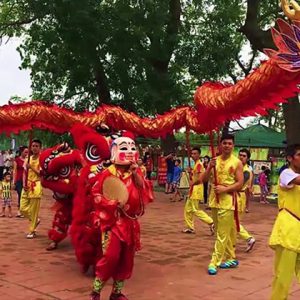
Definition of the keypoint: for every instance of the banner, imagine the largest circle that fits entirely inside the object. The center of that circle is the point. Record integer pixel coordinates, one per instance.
(259, 153)
(162, 170)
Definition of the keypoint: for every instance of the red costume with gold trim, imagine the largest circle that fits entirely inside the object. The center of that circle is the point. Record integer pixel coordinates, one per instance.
(118, 217)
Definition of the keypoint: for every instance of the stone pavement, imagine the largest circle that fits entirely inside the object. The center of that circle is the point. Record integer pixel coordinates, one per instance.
(171, 265)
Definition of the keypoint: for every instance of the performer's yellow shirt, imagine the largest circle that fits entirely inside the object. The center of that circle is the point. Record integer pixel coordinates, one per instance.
(226, 176)
(198, 190)
(34, 163)
(34, 180)
(286, 230)
(242, 194)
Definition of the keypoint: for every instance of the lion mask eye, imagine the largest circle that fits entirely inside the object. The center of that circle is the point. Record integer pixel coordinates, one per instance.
(92, 153)
(65, 172)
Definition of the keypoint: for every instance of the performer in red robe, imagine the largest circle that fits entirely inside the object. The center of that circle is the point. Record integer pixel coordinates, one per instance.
(120, 194)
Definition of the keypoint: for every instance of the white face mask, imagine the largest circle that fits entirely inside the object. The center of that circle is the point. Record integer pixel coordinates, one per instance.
(123, 151)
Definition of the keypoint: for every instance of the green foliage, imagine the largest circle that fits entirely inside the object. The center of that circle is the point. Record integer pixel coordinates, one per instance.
(274, 119)
(145, 56)
(210, 42)
(48, 139)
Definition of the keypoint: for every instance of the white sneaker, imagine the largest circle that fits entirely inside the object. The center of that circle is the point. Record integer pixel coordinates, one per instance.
(250, 244)
(31, 235)
(188, 230)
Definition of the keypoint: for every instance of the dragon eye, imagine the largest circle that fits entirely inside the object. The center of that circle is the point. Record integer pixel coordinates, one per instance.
(92, 153)
(65, 171)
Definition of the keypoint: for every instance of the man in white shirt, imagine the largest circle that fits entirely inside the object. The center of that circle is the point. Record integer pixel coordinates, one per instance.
(8, 160)
(286, 230)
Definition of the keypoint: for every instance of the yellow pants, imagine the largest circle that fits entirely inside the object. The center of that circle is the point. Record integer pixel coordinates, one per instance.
(191, 209)
(30, 207)
(224, 248)
(243, 234)
(287, 263)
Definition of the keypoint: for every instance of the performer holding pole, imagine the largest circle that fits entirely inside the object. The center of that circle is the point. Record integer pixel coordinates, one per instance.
(196, 194)
(32, 189)
(244, 156)
(229, 171)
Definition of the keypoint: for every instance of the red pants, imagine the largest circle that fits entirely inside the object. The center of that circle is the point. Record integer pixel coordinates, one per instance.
(60, 225)
(117, 259)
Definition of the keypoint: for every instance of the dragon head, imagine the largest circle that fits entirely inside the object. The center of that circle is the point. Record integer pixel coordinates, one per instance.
(291, 9)
(287, 38)
(60, 170)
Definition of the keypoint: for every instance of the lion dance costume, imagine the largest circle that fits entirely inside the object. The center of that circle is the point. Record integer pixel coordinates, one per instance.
(60, 171)
(85, 236)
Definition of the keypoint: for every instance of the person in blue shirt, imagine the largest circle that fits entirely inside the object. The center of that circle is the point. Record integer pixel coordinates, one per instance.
(170, 172)
(176, 181)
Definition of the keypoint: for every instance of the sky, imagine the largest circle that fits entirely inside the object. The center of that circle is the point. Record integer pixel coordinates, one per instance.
(13, 81)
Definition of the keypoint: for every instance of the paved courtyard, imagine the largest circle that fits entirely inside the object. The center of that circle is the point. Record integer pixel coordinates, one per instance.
(171, 265)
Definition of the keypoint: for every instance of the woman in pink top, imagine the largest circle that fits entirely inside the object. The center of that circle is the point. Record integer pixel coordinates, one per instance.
(18, 174)
(263, 184)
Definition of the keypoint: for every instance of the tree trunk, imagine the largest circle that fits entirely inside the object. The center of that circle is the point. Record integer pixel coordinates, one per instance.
(225, 129)
(261, 39)
(169, 144)
(291, 112)
(162, 84)
(101, 85)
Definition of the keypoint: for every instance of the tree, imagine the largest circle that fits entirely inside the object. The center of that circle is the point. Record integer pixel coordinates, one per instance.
(259, 14)
(274, 119)
(146, 56)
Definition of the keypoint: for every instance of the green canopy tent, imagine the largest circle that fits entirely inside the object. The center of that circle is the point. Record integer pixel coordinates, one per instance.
(260, 136)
